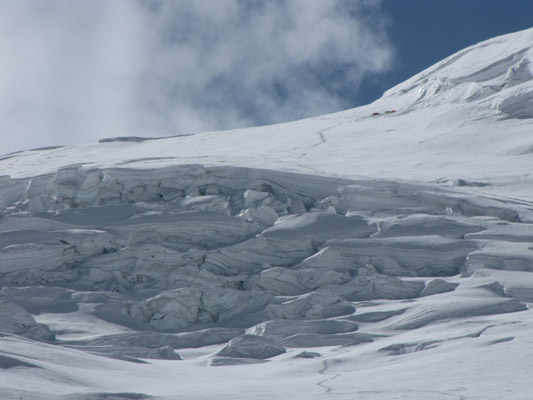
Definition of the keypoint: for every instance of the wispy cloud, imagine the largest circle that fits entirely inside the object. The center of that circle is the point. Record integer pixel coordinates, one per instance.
(75, 71)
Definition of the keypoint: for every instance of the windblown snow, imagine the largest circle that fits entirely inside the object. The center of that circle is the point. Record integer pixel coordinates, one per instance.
(384, 252)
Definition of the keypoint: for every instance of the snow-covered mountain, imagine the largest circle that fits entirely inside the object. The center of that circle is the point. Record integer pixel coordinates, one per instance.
(384, 252)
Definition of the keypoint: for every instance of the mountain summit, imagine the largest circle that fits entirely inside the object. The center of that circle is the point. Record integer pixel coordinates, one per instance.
(497, 74)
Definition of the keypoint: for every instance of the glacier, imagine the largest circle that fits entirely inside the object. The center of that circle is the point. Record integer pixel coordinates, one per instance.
(383, 252)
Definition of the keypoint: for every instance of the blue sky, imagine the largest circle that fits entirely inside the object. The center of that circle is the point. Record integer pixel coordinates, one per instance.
(75, 71)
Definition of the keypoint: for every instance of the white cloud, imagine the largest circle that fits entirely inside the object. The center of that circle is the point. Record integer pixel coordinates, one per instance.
(75, 71)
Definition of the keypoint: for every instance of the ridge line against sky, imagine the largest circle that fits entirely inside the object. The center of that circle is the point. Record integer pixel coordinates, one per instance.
(74, 72)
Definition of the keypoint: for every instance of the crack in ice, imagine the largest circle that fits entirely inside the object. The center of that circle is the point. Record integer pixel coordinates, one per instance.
(322, 371)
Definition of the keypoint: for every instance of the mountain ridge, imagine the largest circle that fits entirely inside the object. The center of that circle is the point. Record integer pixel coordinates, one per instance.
(441, 130)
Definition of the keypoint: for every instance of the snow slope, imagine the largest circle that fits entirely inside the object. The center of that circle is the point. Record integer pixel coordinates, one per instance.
(347, 256)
